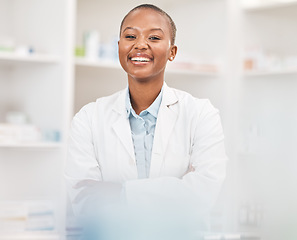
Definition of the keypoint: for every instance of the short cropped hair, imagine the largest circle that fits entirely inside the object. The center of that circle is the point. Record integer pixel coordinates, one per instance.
(159, 10)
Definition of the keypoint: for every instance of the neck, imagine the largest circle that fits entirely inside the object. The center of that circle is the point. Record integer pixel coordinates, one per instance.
(143, 94)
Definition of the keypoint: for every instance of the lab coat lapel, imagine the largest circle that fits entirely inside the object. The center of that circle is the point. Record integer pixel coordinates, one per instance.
(122, 126)
(167, 116)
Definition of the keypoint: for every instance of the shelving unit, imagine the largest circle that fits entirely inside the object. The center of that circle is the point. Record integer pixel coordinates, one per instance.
(39, 86)
(267, 105)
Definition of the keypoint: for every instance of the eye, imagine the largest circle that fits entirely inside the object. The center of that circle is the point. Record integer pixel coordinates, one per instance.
(130, 37)
(154, 38)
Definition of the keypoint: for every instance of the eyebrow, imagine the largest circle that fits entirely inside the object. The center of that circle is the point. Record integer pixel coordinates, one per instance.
(153, 29)
(157, 29)
(128, 28)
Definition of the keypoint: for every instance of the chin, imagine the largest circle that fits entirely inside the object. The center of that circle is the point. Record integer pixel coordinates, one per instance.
(144, 76)
(141, 76)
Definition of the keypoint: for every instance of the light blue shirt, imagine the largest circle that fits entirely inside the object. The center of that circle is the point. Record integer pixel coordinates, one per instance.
(142, 131)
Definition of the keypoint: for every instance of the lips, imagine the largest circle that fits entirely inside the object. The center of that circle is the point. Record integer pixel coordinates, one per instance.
(140, 58)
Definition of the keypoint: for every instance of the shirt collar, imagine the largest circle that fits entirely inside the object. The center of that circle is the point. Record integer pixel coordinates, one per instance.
(153, 109)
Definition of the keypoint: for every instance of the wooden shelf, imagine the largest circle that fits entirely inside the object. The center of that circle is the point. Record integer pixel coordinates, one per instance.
(269, 5)
(34, 58)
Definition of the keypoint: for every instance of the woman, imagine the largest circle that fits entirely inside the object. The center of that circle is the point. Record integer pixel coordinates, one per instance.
(148, 144)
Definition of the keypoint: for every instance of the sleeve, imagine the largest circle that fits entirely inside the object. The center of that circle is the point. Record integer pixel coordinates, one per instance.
(81, 164)
(200, 188)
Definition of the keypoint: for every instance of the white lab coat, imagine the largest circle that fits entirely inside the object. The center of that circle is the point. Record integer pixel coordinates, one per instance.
(188, 133)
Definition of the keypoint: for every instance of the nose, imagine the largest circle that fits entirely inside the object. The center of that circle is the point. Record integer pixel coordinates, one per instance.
(141, 43)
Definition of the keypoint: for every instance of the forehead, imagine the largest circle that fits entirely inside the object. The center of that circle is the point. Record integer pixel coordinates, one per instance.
(146, 18)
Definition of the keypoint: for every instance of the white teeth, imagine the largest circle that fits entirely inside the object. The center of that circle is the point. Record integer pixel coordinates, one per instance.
(140, 59)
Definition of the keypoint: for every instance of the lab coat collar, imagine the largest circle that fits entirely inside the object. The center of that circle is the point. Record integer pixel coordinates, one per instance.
(120, 103)
(166, 120)
(169, 98)
(121, 126)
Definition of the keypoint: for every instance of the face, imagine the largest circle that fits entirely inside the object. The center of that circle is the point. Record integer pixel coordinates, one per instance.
(145, 45)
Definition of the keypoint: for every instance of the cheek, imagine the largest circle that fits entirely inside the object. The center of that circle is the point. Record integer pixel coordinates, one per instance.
(121, 51)
(163, 52)
(124, 48)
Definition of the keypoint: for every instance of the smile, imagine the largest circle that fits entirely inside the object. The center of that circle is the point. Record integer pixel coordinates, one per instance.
(140, 59)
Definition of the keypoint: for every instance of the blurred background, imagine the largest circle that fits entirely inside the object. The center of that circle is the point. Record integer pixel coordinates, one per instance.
(58, 55)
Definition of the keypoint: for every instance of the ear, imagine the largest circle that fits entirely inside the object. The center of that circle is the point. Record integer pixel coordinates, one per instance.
(173, 52)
